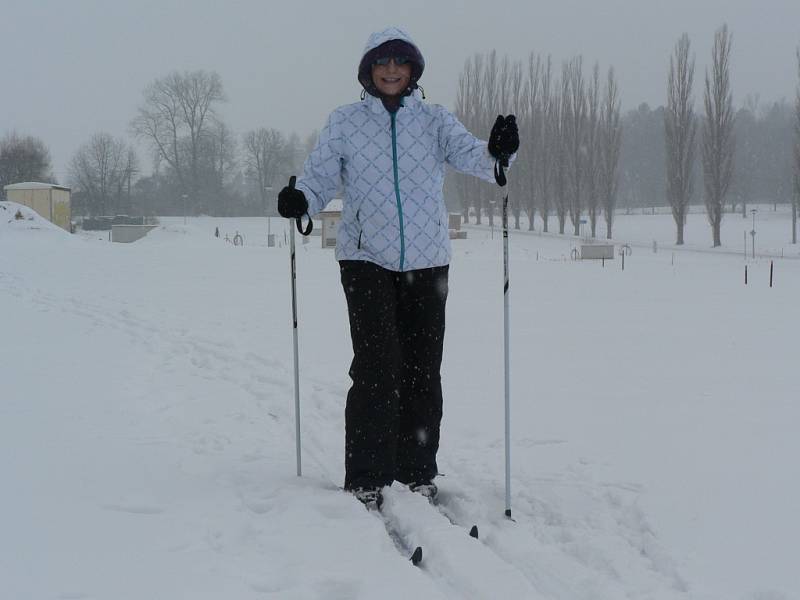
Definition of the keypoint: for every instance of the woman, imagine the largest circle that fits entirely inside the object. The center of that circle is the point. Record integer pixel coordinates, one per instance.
(388, 153)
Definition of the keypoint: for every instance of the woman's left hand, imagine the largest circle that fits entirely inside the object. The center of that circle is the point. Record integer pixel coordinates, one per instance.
(504, 138)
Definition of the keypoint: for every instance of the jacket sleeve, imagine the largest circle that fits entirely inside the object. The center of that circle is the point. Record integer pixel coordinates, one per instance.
(463, 151)
(322, 171)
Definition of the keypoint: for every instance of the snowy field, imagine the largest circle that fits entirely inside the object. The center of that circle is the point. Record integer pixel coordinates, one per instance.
(147, 421)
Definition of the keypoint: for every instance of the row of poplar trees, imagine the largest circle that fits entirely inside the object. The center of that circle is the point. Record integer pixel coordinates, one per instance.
(717, 144)
(570, 133)
(680, 128)
(571, 136)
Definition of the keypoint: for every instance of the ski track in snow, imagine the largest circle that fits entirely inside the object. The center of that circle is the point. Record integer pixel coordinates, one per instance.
(539, 526)
(512, 551)
(213, 361)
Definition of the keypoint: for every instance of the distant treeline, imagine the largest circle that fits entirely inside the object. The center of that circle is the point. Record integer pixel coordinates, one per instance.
(581, 159)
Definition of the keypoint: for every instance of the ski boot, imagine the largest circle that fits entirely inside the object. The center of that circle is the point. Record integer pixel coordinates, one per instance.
(371, 497)
(425, 488)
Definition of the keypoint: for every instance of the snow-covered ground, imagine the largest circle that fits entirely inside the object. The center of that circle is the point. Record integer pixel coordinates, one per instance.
(147, 421)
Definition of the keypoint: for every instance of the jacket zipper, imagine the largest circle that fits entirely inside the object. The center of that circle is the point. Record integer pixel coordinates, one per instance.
(360, 230)
(397, 191)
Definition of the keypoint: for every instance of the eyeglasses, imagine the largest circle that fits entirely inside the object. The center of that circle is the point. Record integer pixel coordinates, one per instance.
(398, 60)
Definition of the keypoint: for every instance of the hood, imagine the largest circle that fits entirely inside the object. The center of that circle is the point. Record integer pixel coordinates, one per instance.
(387, 42)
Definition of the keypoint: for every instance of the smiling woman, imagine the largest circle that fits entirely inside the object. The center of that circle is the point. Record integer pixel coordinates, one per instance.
(388, 155)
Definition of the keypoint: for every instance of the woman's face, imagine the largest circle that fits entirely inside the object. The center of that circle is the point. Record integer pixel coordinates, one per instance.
(391, 79)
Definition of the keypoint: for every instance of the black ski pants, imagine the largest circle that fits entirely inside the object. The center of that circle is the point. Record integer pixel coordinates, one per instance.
(394, 407)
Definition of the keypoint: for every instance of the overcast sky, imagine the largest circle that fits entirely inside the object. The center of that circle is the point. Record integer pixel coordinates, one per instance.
(73, 68)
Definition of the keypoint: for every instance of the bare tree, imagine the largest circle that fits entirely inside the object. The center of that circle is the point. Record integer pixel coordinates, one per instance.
(680, 127)
(306, 146)
(514, 102)
(561, 150)
(295, 155)
(177, 111)
(592, 148)
(463, 111)
(218, 156)
(488, 111)
(531, 122)
(23, 158)
(99, 170)
(718, 142)
(472, 111)
(129, 173)
(265, 155)
(610, 144)
(643, 158)
(545, 159)
(745, 164)
(576, 138)
(796, 162)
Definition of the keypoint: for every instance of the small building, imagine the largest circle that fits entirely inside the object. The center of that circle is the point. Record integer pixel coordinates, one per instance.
(597, 251)
(53, 202)
(454, 221)
(330, 222)
(454, 227)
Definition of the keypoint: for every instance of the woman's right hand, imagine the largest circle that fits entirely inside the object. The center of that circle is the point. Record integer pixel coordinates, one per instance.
(292, 202)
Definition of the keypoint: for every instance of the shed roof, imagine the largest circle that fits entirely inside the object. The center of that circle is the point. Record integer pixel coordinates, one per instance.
(35, 185)
(334, 205)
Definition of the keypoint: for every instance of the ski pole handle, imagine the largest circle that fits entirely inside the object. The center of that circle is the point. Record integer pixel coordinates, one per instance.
(499, 170)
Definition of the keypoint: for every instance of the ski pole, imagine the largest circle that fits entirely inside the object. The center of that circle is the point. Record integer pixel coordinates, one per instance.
(293, 270)
(500, 177)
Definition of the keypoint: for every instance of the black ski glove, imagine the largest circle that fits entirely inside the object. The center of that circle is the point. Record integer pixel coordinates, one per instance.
(292, 202)
(504, 139)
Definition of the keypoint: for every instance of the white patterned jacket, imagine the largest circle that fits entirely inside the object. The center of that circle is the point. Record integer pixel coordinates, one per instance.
(390, 167)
